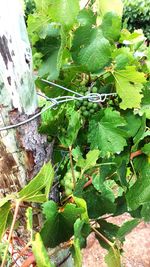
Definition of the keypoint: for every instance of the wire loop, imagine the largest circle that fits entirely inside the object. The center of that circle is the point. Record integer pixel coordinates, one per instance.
(92, 97)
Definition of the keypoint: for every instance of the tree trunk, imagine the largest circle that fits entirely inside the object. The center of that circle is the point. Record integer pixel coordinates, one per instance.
(22, 150)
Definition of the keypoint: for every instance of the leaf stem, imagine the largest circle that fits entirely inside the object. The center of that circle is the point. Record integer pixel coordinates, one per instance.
(102, 236)
(72, 168)
(11, 232)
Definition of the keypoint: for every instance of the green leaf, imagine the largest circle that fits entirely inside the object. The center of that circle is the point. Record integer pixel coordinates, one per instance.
(77, 255)
(29, 219)
(43, 180)
(126, 228)
(80, 202)
(64, 11)
(90, 161)
(49, 67)
(111, 26)
(113, 258)
(86, 17)
(133, 123)
(145, 212)
(106, 134)
(73, 128)
(59, 222)
(105, 6)
(6, 199)
(131, 38)
(91, 49)
(109, 230)
(129, 84)
(123, 57)
(40, 253)
(4, 212)
(51, 119)
(97, 204)
(139, 193)
(146, 149)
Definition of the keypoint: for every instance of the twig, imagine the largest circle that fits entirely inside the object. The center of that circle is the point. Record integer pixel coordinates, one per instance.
(30, 260)
(10, 233)
(89, 182)
(135, 154)
(102, 237)
(71, 163)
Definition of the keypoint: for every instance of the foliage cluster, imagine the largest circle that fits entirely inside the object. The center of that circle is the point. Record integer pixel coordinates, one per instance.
(101, 152)
(137, 14)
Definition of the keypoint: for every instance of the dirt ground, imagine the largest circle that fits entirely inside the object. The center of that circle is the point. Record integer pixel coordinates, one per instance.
(136, 247)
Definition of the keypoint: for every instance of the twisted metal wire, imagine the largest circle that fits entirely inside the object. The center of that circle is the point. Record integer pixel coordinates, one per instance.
(92, 97)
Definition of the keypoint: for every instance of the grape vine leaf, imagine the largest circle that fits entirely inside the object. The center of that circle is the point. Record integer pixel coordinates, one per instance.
(145, 103)
(58, 226)
(90, 161)
(139, 193)
(129, 84)
(64, 11)
(123, 57)
(91, 49)
(43, 180)
(86, 17)
(4, 212)
(113, 258)
(111, 26)
(106, 134)
(133, 123)
(126, 228)
(40, 253)
(78, 239)
(146, 149)
(73, 128)
(97, 204)
(145, 212)
(108, 229)
(105, 6)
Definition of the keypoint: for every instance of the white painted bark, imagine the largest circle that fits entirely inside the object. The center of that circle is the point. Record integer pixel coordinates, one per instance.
(22, 150)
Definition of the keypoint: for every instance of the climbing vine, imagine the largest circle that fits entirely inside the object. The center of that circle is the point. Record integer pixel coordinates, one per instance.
(101, 156)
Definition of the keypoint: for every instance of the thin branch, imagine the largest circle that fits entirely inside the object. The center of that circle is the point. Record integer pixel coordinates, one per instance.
(102, 237)
(10, 233)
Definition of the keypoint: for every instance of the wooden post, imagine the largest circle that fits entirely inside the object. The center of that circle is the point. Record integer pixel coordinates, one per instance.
(22, 150)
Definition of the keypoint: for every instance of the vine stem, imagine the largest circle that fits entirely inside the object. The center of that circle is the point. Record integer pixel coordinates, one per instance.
(11, 232)
(71, 163)
(102, 237)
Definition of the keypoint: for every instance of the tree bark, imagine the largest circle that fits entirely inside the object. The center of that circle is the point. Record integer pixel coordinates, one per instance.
(22, 150)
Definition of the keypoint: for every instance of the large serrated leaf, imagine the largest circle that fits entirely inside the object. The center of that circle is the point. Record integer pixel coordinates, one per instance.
(64, 11)
(126, 228)
(90, 161)
(43, 180)
(91, 49)
(111, 26)
(105, 133)
(73, 128)
(59, 222)
(129, 84)
(139, 193)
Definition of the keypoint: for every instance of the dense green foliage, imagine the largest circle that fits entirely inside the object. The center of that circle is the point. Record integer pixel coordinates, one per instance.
(102, 149)
(137, 15)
